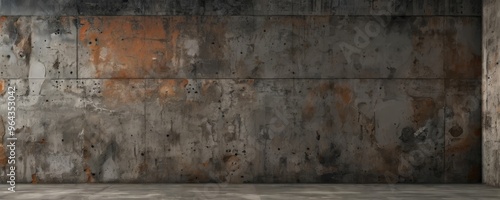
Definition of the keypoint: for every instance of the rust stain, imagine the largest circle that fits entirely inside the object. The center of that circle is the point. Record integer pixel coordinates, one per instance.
(423, 109)
(308, 111)
(42, 141)
(2, 21)
(462, 61)
(2, 87)
(118, 93)
(143, 167)
(88, 173)
(138, 49)
(463, 144)
(34, 179)
(169, 88)
(206, 85)
(231, 162)
(345, 94)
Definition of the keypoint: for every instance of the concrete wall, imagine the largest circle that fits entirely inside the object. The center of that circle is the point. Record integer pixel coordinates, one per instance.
(491, 134)
(244, 91)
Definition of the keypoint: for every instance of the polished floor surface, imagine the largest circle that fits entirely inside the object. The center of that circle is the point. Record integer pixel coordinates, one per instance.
(251, 191)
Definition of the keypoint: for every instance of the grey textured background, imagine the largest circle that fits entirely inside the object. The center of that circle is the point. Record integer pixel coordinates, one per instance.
(244, 91)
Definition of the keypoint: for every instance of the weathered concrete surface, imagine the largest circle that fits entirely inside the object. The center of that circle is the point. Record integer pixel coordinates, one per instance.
(284, 95)
(233, 130)
(491, 82)
(38, 47)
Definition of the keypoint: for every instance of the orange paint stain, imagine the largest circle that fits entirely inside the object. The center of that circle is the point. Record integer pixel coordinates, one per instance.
(140, 48)
(168, 88)
(2, 86)
(34, 179)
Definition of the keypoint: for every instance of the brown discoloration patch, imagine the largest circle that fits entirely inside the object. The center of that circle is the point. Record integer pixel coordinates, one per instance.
(423, 110)
(88, 173)
(144, 46)
(118, 93)
(462, 145)
(86, 154)
(232, 162)
(309, 109)
(461, 57)
(42, 141)
(143, 167)
(171, 88)
(343, 92)
(34, 179)
(2, 87)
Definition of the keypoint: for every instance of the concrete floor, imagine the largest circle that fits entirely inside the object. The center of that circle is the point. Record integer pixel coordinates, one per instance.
(251, 191)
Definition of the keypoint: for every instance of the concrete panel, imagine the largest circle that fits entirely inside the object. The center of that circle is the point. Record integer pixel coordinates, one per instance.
(38, 47)
(48, 129)
(177, 47)
(234, 130)
(381, 131)
(463, 131)
(114, 130)
(369, 47)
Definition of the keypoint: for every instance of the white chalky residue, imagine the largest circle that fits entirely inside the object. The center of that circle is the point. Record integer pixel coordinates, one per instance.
(36, 77)
(109, 170)
(192, 47)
